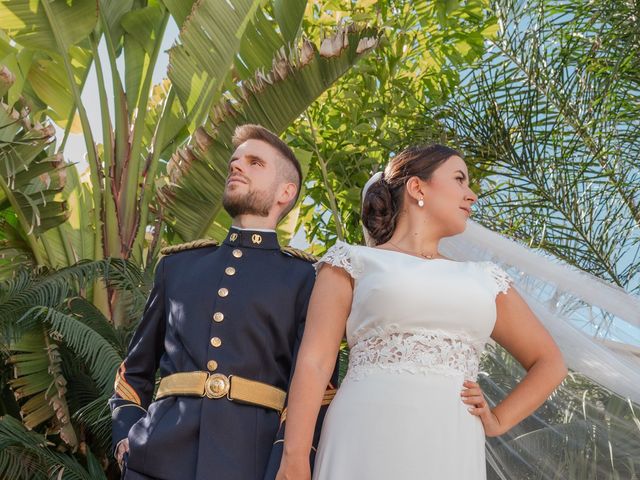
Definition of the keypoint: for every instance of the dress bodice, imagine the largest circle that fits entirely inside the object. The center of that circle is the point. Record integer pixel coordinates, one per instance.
(413, 314)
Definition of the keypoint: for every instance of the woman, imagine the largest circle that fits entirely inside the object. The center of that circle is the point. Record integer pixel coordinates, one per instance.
(416, 322)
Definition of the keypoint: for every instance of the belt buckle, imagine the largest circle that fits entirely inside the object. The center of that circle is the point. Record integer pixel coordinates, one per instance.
(217, 385)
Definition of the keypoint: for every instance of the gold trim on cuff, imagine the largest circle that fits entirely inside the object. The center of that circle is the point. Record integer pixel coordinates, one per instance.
(128, 405)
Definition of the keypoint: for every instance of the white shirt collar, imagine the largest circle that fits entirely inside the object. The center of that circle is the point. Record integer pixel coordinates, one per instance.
(255, 229)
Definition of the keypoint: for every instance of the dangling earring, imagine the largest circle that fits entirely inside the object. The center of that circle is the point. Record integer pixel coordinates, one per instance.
(421, 203)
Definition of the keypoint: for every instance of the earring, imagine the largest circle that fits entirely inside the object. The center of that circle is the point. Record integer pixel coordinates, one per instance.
(421, 203)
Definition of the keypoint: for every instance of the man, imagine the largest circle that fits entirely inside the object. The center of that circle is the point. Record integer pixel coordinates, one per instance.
(222, 324)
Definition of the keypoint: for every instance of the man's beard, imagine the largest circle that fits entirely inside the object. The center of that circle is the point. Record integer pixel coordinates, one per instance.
(252, 203)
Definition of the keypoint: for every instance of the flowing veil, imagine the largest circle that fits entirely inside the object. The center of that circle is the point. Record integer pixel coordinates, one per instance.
(590, 427)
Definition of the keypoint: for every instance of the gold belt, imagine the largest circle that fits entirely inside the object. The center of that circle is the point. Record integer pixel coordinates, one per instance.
(217, 385)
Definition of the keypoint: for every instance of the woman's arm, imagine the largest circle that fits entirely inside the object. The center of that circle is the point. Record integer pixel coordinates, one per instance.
(329, 308)
(519, 331)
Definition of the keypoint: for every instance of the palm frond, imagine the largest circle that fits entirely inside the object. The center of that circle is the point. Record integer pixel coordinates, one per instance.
(26, 455)
(96, 352)
(96, 418)
(39, 384)
(50, 289)
(550, 117)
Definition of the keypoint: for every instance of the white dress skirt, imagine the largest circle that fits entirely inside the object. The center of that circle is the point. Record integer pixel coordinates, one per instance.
(415, 332)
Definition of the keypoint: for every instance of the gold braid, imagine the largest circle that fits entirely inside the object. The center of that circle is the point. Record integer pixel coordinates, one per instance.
(181, 247)
(294, 252)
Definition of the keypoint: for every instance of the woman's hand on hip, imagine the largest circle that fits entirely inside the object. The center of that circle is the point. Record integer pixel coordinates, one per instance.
(477, 405)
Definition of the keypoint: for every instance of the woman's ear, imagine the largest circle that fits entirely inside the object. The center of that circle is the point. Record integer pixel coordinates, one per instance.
(415, 188)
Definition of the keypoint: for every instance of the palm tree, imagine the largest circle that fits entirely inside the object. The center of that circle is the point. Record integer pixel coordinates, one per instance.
(549, 116)
(552, 117)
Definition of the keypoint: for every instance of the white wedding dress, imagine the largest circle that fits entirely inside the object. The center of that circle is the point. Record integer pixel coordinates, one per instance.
(415, 333)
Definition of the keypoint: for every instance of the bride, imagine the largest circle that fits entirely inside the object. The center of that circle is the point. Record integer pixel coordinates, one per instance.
(416, 323)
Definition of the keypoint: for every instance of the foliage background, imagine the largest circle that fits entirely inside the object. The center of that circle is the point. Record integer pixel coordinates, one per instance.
(541, 95)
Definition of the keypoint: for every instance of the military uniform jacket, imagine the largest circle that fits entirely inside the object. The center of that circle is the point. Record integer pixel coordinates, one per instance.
(236, 309)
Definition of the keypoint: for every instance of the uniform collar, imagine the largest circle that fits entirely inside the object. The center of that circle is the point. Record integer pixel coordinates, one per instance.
(238, 237)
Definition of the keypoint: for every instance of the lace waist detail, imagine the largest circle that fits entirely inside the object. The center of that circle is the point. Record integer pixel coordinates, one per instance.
(424, 352)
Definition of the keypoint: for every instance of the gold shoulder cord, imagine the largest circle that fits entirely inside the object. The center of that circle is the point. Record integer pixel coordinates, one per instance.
(188, 246)
(301, 254)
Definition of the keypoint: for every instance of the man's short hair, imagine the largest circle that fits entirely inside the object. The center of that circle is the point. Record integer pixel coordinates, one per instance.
(258, 132)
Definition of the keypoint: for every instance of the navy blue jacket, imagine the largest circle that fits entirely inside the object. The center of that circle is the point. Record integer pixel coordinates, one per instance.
(258, 320)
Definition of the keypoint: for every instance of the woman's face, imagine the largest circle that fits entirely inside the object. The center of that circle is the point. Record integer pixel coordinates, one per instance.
(448, 198)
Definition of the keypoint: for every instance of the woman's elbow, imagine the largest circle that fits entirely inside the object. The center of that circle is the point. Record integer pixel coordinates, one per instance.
(315, 366)
(557, 366)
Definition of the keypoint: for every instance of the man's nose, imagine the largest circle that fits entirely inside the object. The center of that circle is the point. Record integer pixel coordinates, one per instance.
(235, 166)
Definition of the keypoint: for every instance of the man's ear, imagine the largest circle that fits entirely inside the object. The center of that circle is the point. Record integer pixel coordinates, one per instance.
(288, 192)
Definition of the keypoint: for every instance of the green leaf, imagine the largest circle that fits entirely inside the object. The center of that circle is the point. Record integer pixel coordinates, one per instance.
(143, 27)
(112, 13)
(29, 181)
(289, 14)
(27, 455)
(26, 22)
(48, 78)
(39, 377)
(209, 40)
(179, 9)
(97, 353)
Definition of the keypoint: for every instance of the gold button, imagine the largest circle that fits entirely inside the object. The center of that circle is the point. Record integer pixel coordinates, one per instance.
(230, 271)
(223, 292)
(233, 237)
(218, 317)
(216, 342)
(237, 253)
(212, 365)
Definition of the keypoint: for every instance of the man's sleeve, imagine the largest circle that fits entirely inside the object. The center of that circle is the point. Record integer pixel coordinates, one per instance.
(135, 379)
(278, 445)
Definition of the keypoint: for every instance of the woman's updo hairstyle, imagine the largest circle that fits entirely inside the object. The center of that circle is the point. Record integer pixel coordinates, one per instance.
(383, 199)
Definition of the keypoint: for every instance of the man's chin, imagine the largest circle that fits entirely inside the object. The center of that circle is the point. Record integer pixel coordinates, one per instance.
(233, 195)
(234, 187)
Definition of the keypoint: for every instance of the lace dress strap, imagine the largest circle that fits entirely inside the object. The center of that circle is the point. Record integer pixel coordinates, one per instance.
(502, 280)
(339, 255)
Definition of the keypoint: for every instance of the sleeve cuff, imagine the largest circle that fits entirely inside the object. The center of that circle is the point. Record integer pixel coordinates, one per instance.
(123, 418)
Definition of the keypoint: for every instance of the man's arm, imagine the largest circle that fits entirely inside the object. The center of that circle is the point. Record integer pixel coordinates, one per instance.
(135, 379)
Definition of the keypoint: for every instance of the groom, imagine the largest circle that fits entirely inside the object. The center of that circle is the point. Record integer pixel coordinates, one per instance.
(222, 325)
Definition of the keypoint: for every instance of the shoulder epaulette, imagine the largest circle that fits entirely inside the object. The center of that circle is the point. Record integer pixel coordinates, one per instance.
(181, 247)
(301, 254)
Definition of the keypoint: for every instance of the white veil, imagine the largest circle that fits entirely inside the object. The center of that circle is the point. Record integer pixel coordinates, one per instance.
(597, 327)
